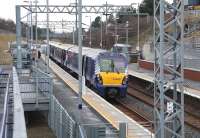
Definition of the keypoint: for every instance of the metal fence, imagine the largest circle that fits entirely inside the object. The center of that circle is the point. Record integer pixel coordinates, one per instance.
(103, 130)
(4, 98)
(43, 82)
(36, 87)
(60, 122)
(26, 54)
(63, 125)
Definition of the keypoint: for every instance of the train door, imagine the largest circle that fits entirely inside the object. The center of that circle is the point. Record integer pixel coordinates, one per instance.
(63, 57)
(84, 65)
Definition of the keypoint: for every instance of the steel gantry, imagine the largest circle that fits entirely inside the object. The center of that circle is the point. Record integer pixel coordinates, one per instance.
(168, 44)
(71, 9)
(53, 23)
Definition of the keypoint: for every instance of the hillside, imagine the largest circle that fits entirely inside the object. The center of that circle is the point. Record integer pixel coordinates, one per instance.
(5, 57)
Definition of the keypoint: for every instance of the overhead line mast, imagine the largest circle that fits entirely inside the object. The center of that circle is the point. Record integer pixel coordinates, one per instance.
(168, 104)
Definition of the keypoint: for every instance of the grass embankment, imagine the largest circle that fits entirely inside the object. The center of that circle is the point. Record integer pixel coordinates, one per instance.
(5, 57)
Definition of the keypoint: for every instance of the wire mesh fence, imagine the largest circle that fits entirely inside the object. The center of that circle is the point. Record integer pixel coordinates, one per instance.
(60, 121)
(64, 126)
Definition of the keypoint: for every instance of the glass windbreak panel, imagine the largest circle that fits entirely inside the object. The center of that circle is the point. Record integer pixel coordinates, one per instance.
(112, 65)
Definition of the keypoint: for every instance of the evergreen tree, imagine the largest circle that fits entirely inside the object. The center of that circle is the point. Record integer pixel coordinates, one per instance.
(147, 7)
(97, 22)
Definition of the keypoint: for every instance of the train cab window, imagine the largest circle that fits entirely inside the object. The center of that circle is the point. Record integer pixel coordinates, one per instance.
(112, 65)
(106, 65)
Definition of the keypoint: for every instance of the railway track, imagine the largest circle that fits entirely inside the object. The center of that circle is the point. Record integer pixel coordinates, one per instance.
(190, 119)
(133, 113)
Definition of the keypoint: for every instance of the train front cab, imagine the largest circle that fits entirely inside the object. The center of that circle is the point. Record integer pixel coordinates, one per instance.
(111, 80)
(111, 90)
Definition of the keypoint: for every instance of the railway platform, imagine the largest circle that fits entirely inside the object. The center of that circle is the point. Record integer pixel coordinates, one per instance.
(104, 109)
(191, 88)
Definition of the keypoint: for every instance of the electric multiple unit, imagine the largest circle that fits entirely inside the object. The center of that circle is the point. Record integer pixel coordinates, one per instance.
(105, 71)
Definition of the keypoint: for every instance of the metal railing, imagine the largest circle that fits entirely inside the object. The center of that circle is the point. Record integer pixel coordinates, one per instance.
(4, 101)
(60, 121)
(43, 82)
(103, 130)
(38, 83)
(63, 125)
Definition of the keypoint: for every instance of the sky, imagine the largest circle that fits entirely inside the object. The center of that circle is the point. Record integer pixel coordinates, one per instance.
(7, 7)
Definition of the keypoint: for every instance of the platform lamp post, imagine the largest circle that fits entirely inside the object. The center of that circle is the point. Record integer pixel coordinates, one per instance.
(138, 33)
(101, 32)
(73, 36)
(36, 32)
(127, 32)
(76, 23)
(47, 37)
(90, 42)
(116, 31)
(28, 29)
(80, 52)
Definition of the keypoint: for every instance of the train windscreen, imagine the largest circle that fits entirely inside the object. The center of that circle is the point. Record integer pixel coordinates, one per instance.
(112, 65)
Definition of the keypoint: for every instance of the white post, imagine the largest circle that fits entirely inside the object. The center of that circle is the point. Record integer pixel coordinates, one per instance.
(73, 36)
(101, 33)
(90, 27)
(115, 31)
(138, 34)
(31, 25)
(127, 32)
(90, 32)
(80, 51)
(47, 47)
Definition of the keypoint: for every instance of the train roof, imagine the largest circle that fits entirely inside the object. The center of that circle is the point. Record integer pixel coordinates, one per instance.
(90, 52)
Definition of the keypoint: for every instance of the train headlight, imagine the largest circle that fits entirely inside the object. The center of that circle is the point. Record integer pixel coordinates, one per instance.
(99, 78)
(124, 81)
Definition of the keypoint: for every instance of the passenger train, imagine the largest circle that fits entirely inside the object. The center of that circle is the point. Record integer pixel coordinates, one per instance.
(103, 70)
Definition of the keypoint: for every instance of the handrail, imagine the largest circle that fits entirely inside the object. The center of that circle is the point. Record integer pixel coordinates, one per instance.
(5, 111)
(40, 71)
(81, 132)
